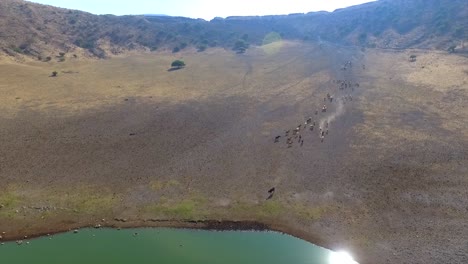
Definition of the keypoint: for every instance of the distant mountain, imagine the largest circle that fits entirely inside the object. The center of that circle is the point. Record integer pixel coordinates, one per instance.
(41, 31)
(157, 15)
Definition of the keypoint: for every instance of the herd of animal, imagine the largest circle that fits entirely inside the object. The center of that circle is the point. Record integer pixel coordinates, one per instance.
(322, 117)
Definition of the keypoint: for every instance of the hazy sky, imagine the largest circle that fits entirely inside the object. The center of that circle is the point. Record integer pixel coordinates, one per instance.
(206, 9)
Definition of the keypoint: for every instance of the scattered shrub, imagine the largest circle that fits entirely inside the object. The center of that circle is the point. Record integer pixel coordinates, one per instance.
(178, 64)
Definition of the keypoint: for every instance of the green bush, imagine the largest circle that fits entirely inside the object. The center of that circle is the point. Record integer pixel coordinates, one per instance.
(201, 48)
(178, 64)
(240, 46)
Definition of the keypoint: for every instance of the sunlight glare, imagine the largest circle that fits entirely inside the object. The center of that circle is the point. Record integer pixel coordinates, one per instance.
(341, 257)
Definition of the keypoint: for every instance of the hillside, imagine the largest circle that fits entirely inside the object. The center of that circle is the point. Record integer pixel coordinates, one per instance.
(365, 149)
(40, 31)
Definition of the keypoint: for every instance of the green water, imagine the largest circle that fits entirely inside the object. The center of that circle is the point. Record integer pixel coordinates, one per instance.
(160, 245)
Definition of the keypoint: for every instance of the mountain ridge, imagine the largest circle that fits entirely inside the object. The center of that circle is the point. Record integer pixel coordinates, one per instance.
(42, 32)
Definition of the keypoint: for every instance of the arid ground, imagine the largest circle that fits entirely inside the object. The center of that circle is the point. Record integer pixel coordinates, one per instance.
(124, 141)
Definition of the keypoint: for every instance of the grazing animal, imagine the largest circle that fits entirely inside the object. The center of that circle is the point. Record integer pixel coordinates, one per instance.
(311, 128)
(277, 139)
(272, 190)
(302, 142)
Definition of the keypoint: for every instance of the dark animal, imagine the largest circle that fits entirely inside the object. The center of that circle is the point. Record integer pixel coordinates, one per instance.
(277, 139)
(272, 190)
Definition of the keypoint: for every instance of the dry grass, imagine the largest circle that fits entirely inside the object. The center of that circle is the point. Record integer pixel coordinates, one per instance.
(197, 143)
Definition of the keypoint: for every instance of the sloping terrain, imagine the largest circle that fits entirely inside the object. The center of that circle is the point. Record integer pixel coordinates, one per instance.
(47, 33)
(127, 141)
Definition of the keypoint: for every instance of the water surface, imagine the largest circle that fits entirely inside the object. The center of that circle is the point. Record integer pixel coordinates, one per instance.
(162, 245)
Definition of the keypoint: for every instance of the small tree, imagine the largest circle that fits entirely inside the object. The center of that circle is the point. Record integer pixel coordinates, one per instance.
(451, 49)
(240, 46)
(412, 58)
(178, 64)
(54, 74)
(201, 48)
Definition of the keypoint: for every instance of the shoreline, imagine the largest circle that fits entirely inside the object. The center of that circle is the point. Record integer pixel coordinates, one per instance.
(210, 225)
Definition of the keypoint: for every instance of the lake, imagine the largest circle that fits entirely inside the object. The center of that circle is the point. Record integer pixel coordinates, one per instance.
(163, 245)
